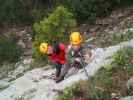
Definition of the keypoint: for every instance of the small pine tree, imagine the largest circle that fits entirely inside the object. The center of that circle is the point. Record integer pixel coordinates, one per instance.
(53, 27)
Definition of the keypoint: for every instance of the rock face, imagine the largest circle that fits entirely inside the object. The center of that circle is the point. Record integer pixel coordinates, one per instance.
(127, 98)
(130, 83)
(18, 70)
(24, 37)
(34, 85)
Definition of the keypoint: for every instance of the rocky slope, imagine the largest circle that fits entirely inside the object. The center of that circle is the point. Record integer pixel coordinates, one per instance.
(33, 85)
(21, 84)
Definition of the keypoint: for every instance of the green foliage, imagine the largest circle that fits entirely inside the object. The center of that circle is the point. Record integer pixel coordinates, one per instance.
(9, 50)
(37, 14)
(27, 11)
(104, 78)
(124, 57)
(120, 57)
(56, 24)
(20, 11)
(11, 11)
(78, 90)
(66, 94)
(53, 28)
(90, 9)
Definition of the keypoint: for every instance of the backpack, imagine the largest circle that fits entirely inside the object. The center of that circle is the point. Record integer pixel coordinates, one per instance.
(56, 47)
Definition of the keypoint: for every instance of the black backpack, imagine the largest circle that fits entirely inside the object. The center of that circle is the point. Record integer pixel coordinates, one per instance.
(56, 47)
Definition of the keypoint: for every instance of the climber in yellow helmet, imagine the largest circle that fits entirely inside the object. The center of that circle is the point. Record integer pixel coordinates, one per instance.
(75, 38)
(56, 54)
(76, 49)
(43, 48)
(73, 53)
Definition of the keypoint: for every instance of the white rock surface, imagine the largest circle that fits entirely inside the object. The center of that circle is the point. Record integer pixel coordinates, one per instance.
(21, 43)
(4, 84)
(27, 61)
(127, 98)
(33, 86)
(130, 83)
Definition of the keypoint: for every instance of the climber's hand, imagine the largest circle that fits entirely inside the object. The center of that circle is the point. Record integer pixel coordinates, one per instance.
(77, 59)
(87, 56)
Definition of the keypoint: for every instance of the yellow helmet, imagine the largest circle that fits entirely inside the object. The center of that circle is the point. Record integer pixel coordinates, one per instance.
(43, 48)
(75, 38)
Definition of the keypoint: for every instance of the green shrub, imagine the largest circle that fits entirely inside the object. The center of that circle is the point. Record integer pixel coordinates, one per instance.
(124, 57)
(56, 24)
(9, 50)
(20, 11)
(12, 11)
(104, 78)
(77, 90)
(90, 9)
(120, 57)
(53, 28)
(66, 94)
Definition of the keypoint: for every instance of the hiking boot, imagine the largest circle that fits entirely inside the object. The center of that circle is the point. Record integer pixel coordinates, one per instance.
(55, 77)
(59, 79)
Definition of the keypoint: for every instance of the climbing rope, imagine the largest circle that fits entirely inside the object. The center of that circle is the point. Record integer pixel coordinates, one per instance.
(86, 73)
